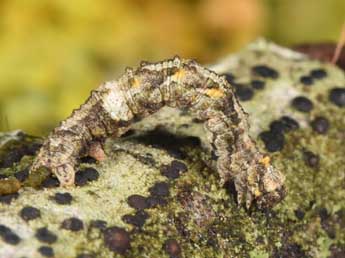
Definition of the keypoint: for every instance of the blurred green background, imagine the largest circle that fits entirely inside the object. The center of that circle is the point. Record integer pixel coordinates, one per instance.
(52, 53)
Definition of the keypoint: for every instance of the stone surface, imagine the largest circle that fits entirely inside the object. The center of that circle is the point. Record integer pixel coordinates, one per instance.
(193, 215)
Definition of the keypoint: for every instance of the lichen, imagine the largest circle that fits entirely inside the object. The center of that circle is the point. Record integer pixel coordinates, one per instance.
(198, 214)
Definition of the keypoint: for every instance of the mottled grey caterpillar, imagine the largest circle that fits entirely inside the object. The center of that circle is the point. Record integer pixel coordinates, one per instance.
(116, 105)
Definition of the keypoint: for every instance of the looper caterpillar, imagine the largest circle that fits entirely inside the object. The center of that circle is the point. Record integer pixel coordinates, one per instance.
(184, 84)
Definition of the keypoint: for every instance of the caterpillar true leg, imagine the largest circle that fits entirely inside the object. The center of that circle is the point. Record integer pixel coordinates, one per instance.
(115, 105)
(96, 151)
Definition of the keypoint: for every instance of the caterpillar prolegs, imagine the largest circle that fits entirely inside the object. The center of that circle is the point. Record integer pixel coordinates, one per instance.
(184, 84)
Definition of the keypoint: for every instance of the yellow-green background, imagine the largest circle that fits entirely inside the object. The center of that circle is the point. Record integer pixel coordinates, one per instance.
(53, 52)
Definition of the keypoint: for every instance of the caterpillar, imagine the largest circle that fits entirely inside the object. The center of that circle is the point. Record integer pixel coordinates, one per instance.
(112, 108)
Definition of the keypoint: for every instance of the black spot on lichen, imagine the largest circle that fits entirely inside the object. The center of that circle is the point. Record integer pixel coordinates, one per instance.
(4, 230)
(257, 84)
(229, 77)
(337, 96)
(86, 175)
(306, 80)
(299, 214)
(265, 71)
(177, 153)
(155, 201)
(318, 73)
(244, 93)
(8, 236)
(311, 159)
(117, 239)
(46, 251)
(8, 198)
(100, 224)
(50, 182)
(11, 238)
(137, 202)
(63, 198)
(46, 236)
(88, 160)
(138, 219)
(320, 125)
(274, 141)
(173, 170)
(178, 165)
(72, 224)
(22, 175)
(160, 189)
(172, 248)
(289, 123)
(283, 125)
(91, 173)
(30, 213)
(146, 159)
(302, 104)
(277, 127)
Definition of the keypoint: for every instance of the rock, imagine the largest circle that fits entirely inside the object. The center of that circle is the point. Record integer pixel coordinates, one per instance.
(155, 197)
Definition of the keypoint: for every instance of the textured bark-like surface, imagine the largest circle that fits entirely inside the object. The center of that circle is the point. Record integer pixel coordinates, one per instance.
(154, 196)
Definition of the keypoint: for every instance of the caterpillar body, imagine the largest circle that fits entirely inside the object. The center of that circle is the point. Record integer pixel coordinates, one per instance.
(112, 108)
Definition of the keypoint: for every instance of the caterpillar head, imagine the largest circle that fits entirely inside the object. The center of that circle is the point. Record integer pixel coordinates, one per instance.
(271, 184)
(261, 184)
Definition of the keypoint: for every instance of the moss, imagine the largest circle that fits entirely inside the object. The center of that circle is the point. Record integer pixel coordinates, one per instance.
(36, 179)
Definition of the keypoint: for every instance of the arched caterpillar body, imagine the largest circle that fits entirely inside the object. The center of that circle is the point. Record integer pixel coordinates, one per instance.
(184, 84)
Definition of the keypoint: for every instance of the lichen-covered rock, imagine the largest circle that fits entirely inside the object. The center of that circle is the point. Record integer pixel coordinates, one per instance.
(155, 197)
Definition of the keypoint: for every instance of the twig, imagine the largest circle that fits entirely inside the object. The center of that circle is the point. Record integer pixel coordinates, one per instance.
(340, 45)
